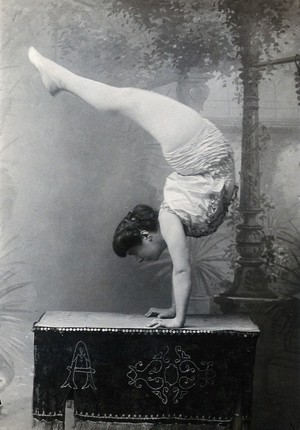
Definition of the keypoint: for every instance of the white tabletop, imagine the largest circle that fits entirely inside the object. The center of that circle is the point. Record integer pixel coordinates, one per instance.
(103, 320)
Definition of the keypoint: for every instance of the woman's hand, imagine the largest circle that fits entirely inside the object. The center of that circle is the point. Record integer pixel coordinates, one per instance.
(167, 323)
(161, 313)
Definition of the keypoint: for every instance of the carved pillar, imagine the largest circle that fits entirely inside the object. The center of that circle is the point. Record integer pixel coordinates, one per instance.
(250, 279)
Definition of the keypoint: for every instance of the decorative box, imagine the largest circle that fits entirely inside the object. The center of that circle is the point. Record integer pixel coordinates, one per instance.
(115, 369)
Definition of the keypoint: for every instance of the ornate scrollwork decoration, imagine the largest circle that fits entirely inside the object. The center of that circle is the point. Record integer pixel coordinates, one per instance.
(170, 377)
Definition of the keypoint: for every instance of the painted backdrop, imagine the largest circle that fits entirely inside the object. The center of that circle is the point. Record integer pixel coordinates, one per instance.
(69, 174)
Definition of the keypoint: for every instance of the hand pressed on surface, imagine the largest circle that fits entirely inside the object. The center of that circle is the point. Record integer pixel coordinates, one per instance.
(167, 323)
(161, 313)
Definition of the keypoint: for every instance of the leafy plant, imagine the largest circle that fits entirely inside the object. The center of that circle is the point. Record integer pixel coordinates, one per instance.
(281, 239)
(219, 35)
(283, 265)
(290, 269)
(11, 344)
(282, 246)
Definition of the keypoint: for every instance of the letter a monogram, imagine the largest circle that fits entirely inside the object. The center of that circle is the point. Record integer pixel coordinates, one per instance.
(81, 363)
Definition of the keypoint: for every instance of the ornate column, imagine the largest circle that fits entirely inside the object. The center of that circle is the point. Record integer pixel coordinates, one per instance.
(250, 280)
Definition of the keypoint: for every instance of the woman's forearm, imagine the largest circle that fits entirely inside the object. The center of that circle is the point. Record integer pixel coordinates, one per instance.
(181, 293)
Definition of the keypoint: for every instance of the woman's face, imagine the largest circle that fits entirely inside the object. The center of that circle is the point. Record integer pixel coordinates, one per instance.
(150, 249)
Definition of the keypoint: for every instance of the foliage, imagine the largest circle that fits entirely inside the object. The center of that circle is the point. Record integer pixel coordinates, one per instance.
(11, 304)
(281, 239)
(282, 257)
(218, 35)
(256, 26)
(282, 246)
(183, 34)
(137, 42)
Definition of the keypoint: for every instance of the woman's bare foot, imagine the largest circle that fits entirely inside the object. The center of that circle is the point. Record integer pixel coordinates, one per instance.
(48, 69)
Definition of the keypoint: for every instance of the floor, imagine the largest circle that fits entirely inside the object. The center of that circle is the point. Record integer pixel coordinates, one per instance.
(15, 413)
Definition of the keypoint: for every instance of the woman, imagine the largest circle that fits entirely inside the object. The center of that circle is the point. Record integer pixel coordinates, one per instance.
(196, 195)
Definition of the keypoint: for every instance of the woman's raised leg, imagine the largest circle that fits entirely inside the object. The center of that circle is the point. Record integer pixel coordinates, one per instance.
(171, 123)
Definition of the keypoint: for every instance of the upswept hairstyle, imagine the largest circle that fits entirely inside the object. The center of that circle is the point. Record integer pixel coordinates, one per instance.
(128, 233)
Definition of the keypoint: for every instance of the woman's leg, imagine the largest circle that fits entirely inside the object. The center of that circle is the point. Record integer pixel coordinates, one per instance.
(171, 123)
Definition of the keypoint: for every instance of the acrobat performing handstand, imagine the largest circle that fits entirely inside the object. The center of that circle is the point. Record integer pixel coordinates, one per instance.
(196, 195)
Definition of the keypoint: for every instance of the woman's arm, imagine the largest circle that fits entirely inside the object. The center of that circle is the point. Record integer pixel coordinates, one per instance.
(173, 233)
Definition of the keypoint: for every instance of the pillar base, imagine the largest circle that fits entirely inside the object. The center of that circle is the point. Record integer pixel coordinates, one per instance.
(234, 304)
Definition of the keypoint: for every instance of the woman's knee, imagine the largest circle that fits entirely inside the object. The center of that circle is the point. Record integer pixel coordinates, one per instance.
(130, 100)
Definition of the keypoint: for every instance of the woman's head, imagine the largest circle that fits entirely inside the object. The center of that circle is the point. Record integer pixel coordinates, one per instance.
(138, 234)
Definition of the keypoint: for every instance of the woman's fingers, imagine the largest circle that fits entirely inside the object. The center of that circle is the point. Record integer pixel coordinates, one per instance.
(161, 313)
(164, 323)
(152, 312)
(156, 323)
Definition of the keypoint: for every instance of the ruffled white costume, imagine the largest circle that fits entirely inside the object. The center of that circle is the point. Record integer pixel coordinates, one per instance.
(202, 186)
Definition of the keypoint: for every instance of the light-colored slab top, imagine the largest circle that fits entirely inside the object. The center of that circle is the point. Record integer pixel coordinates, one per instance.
(105, 320)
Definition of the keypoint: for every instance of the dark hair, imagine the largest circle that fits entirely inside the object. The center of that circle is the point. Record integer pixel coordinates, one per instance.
(128, 232)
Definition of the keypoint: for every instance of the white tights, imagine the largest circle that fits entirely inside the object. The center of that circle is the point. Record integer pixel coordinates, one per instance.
(171, 123)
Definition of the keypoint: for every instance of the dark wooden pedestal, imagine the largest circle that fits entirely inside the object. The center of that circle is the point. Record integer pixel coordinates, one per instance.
(117, 370)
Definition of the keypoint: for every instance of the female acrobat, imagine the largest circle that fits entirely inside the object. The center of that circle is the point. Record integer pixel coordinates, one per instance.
(196, 195)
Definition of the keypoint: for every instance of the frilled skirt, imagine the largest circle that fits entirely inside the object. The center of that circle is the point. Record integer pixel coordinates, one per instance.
(199, 201)
(202, 187)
